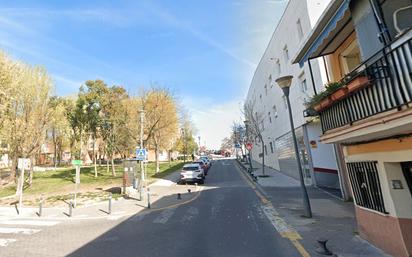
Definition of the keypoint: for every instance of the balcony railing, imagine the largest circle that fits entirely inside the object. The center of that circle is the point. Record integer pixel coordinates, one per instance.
(390, 75)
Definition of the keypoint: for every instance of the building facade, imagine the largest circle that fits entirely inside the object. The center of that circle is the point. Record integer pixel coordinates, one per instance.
(367, 45)
(318, 159)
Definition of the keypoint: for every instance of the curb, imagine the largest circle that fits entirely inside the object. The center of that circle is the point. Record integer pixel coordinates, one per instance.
(257, 185)
(143, 211)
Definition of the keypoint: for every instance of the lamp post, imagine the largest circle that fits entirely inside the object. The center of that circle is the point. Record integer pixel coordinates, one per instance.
(285, 83)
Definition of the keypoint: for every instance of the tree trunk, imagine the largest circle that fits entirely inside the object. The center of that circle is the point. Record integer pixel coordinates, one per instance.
(81, 144)
(113, 170)
(170, 158)
(157, 159)
(94, 157)
(263, 158)
(55, 147)
(107, 163)
(31, 170)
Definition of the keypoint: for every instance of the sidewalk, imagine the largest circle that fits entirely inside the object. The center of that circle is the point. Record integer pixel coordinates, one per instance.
(163, 194)
(333, 219)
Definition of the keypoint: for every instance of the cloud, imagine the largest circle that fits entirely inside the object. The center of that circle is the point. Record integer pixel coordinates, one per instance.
(213, 121)
(172, 20)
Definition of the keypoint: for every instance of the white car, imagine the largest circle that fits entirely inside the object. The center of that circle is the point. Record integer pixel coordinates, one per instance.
(192, 173)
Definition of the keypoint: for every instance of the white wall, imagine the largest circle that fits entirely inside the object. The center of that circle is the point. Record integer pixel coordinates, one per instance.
(398, 202)
(286, 34)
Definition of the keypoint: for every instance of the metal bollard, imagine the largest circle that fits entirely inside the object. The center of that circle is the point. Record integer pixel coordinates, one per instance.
(70, 208)
(195, 185)
(148, 198)
(179, 196)
(41, 205)
(110, 204)
(322, 249)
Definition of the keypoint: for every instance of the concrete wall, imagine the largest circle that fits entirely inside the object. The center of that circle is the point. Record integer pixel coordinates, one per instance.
(285, 35)
(394, 233)
(266, 92)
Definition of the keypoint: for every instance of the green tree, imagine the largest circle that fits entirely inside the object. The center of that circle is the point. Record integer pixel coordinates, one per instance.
(161, 120)
(59, 126)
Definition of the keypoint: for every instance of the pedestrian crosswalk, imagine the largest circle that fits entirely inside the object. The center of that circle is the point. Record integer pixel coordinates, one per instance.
(13, 230)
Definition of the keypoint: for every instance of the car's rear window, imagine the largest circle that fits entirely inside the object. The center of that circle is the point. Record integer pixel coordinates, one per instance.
(190, 168)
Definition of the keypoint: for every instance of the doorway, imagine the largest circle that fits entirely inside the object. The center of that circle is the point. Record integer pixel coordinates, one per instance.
(407, 172)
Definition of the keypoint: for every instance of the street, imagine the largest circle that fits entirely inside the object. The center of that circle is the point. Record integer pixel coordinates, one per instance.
(227, 219)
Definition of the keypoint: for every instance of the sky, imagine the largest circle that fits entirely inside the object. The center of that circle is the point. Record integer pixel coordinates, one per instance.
(204, 52)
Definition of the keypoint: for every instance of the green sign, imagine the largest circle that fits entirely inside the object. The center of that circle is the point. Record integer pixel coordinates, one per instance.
(77, 162)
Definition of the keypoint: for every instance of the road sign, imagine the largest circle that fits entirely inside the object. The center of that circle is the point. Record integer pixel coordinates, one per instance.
(23, 163)
(249, 146)
(141, 154)
(237, 145)
(77, 162)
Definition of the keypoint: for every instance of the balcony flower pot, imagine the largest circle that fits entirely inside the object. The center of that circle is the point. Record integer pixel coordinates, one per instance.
(323, 104)
(357, 83)
(339, 94)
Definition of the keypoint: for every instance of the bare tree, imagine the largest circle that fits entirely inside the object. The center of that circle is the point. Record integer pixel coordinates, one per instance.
(256, 120)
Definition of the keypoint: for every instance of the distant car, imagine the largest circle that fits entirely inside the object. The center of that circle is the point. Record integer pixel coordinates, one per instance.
(192, 173)
(207, 159)
(203, 165)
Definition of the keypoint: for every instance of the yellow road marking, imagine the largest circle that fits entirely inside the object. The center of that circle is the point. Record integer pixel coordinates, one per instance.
(300, 248)
(177, 204)
(292, 235)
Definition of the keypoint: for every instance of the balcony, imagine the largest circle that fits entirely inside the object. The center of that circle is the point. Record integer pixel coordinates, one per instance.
(389, 88)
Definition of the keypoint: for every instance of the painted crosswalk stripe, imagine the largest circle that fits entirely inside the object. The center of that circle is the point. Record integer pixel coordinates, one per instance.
(24, 231)
(6, 241)
(164, 216)
(29, 222)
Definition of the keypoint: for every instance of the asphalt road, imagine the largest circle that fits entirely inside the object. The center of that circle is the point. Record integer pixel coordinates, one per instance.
(225, 220)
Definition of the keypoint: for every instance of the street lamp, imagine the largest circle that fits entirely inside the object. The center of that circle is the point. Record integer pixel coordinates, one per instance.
(285, 83)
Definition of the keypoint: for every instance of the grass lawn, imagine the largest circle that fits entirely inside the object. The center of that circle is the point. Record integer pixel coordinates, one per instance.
(61, 182)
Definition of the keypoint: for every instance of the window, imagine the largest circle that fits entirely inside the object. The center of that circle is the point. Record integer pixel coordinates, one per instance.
(350, 58)
(270, 81)
(286, 53)
(300, 30)
(266, 89)
(260, 96)
(271, 147)
(278, 67)
(266, 150)
(366, 185)
(270, 118)
(275, 111)
(285, 102)
(303, 85)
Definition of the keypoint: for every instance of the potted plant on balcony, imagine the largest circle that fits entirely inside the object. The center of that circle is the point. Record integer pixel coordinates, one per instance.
(357, 83)
(333, 92)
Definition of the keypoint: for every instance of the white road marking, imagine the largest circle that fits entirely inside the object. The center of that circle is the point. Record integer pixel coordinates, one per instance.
(6, 241)
(191, 213)
(164, 216)
(24, 231)
(29, 222)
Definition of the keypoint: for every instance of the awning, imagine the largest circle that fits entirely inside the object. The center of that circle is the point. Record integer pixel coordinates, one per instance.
(331, 30)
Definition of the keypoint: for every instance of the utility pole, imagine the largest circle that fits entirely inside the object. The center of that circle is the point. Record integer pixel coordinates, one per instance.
(142, 177)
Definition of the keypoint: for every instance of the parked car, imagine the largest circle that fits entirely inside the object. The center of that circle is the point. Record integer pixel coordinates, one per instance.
(192, 173)
(207, 159)
(203, 165)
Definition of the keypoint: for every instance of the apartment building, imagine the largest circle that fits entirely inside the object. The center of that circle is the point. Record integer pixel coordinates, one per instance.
(318, 159)
(367, 45)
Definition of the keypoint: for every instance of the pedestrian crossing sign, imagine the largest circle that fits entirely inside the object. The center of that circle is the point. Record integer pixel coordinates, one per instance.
(141, 154)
